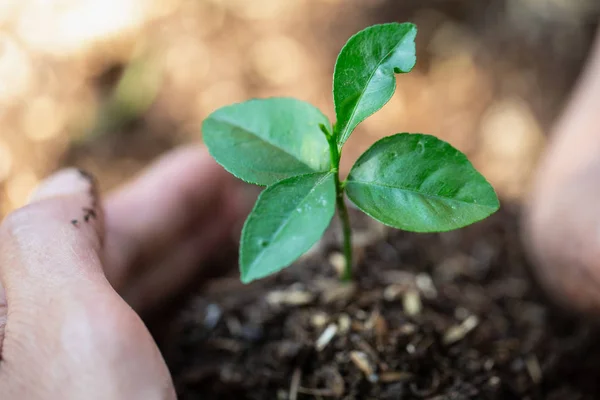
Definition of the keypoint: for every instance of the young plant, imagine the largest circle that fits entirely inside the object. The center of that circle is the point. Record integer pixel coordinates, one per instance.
(413, 182)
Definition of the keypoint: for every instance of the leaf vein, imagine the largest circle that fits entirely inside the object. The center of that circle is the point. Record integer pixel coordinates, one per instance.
(225, 121)
(287, 220)
(362, 93)
(427, 195)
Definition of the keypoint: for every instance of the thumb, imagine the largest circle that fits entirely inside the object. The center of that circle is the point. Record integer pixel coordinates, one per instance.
(63, 315)
(49, 251)
(53, 240)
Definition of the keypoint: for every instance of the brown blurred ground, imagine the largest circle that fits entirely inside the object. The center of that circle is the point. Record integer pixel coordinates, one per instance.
(110, 84)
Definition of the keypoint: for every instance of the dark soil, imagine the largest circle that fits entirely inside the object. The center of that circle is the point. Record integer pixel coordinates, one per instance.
(436, 316)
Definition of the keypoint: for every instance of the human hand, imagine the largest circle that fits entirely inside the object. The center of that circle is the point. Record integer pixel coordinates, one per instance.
(562, 224)
(66, 331)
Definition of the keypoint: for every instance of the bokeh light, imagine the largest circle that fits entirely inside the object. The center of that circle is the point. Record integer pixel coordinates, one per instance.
(111, 84)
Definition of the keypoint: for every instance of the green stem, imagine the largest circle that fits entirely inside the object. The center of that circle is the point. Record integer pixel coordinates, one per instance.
(341, 205)
(346, 230)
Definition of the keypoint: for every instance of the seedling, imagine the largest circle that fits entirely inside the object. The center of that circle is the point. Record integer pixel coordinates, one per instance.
(414, 182)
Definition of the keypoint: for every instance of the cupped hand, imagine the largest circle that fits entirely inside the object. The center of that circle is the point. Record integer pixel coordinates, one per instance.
(74, 271)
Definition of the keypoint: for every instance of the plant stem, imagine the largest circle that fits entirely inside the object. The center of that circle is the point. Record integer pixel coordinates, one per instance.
(346, 230)
(341, 205)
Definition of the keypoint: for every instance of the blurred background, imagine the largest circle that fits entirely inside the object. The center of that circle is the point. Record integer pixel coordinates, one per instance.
(108, 85)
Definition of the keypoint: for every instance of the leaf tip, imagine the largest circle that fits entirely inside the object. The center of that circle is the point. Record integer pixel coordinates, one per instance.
(245, 278)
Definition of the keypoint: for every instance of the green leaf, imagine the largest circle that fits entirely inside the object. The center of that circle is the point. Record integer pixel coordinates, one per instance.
(363, 80)
(264, 141)
(419, 183)
(288, 218)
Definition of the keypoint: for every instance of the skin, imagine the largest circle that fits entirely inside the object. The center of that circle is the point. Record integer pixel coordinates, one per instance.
(70, 293)
(562, 220)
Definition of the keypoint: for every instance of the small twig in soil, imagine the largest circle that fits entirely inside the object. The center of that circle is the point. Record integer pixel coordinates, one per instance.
(412, 303)
(295, 384)
(326, 337)
(534, 369)
(395, 376)
(362, 362)
(458, 332)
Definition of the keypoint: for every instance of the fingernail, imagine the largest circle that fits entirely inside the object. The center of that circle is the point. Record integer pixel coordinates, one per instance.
(65, 182)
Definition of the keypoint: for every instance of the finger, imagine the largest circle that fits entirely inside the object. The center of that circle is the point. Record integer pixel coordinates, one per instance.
(64, 316)
(50, 246)
(173, 271)
(562, 235)
(56, 237)
(562, 218)
(167, 204)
